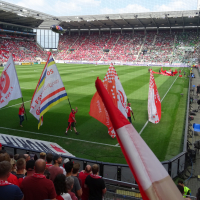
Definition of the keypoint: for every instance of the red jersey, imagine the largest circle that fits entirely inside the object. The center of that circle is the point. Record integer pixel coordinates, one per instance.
(21, 111)
(82, 176)
(70, 117)
(128, 111)
(13, 179)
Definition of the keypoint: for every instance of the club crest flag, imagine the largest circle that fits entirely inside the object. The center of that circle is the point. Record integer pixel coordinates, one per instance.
(154, 104)
(114, 87)
(9, 84)
(153, 180)
(49, 91)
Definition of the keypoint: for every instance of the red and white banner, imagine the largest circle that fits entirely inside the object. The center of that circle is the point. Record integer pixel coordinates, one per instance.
(32, 144)
(9, 84)
(153, 180)
(97, 109)
(154, 104)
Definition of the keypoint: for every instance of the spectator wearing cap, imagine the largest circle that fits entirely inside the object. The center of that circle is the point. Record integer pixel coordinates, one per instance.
(77, 190)
(8, 190)
(49, 158)
(55, 169)
(30, 167)
(95, 184)
(12, 178)
(37, 187)
(43, 155)
(82, 175)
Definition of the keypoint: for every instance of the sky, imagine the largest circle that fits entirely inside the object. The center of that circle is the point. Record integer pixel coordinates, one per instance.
(96, 7)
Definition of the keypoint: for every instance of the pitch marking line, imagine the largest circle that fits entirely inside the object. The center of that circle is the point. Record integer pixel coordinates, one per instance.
(14, 105)
(161, 101)
(60, 137)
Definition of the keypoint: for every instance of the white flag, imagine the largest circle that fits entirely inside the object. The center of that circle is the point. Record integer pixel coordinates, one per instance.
(154, 104)
(9, 84)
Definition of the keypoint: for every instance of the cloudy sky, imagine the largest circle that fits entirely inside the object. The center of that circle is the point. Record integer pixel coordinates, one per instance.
(91, 7)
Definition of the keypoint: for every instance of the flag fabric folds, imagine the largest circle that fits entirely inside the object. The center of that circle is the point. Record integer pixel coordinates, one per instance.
(154, 104)
(113, 85)
(49, 91)
(9, 84)
(153, 180)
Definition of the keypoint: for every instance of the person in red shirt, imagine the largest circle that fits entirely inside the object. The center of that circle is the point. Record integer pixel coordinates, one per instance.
(21, 114)
(37, 186)
(82, 175)
(72, 121)
(129, 111)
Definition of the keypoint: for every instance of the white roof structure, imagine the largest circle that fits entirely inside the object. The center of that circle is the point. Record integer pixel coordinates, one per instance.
(17, 15)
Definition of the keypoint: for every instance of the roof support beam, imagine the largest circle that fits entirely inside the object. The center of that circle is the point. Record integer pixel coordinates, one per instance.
(139, 21)
(101, 23)
(183, 21)
(113, 22)
(154, 22)
(127, 22)
(168, 21)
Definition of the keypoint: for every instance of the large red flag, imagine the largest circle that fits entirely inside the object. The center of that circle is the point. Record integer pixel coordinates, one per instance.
(154, 104)
(97, 110)
(153, 180)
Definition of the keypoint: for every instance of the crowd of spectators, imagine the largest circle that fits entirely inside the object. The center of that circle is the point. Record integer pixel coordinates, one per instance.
(126, 47)
(29, 178)
(22, 50)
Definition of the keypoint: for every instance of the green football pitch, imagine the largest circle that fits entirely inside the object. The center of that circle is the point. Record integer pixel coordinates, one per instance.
(165, 139)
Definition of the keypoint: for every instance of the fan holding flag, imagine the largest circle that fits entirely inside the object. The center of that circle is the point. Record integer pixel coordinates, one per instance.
(129, 112)
(72, 121)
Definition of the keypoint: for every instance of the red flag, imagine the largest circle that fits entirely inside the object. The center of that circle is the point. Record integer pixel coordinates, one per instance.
(154, 104)
(153, 180)
(97, 110)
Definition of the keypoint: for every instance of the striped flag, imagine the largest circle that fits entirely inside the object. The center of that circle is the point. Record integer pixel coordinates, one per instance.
(153, 180)
(49, 91)
(154, 104)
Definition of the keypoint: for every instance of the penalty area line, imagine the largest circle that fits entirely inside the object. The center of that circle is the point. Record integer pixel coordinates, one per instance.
(14, 105)
(161, 101)
(59, 137)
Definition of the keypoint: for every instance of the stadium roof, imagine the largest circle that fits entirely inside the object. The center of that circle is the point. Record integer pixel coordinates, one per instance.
(132, 20)
(10, 13)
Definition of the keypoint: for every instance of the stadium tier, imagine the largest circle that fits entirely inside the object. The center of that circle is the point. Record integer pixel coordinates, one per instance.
(162, 47)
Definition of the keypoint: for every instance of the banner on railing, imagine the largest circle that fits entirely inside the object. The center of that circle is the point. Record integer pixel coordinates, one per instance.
(32, 145)
(26, 63)
(43, 63)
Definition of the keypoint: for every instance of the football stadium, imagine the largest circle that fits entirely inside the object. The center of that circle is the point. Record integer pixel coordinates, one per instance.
(99, 99)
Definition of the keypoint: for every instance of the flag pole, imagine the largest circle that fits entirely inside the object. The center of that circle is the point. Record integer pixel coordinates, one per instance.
(69, 104)
(24, 108)
(131, 112)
